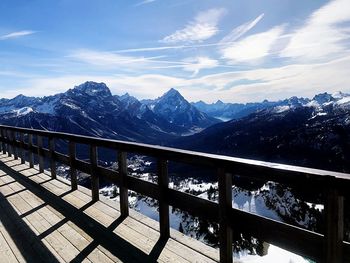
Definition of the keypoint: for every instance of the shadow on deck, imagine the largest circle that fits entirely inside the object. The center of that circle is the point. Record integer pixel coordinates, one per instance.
(43, 220)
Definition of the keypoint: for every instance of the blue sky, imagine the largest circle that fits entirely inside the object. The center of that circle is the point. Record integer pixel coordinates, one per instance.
(236, 51)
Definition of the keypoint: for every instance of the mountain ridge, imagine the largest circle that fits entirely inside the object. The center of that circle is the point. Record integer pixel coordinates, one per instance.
(313, 133)
(91, 109)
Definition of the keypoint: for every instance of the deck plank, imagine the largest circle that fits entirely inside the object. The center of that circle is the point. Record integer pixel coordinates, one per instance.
(6, 253)
(63, 239)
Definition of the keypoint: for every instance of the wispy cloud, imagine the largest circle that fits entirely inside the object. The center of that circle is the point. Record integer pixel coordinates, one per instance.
(145, 2)
(107, 59)
(111, 60)
(239, 31)
(252, 48)
(235, 34)
(326, 33)
(203, 27)
(17, 34)
(164, 48)
(195, 64)
(234, 86)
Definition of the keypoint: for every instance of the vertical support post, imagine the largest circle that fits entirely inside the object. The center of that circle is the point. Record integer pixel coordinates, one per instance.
(14, 141)
(225, 207)
(40, 153)
(334, 232)
(9, 146)
(163, 183)
(94, 176)
(30, 145)
(3, 141)
(52, 157)
(73, 171)
(123, 189)
(21, 143)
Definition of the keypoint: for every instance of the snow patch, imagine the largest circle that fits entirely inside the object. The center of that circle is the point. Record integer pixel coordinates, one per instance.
(24, 111)
(71, 105)
(47, 107)
(275, 254)
(313, 104)
(343, 101)
(280, 109)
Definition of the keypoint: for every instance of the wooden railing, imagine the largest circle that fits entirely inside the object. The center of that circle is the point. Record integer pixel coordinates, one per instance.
(326, 247)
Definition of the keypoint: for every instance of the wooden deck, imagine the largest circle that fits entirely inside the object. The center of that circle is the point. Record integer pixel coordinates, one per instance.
(44, 220)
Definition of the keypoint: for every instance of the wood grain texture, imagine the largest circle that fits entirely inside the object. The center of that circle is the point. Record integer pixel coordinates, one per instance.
(45, 221)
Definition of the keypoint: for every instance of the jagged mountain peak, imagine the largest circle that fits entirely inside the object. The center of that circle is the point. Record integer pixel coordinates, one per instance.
(22, 100)
(21, 97)
(323, 98)
(173, 107)
(172, 93)
(92, 88)
(127, 97)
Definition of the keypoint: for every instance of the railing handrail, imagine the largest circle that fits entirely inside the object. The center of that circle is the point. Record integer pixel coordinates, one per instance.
(189, 156)
(333, 185)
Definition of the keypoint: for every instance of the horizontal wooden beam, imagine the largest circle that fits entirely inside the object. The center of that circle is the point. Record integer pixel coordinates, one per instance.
(295, 239)
(194, 205)
(243, 167)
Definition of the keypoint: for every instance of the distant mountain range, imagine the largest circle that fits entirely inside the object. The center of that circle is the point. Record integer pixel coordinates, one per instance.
(230, 111)
(91, 109)
(309, 132)
(304, 132)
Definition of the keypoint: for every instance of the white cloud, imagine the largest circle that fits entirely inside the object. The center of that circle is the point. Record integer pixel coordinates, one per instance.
(111, 60)
(276, 83)
(203, 27)
(236, 33)
(323, 35)
(17, 34)
(195, 64)
(104, 58)
(252, 48)
(235, 86)
(145, 2)
(239, 31)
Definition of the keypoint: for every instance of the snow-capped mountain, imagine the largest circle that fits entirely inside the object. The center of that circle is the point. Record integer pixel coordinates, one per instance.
(173, 107)
(231, 111)
(91, 109)
(314, 133)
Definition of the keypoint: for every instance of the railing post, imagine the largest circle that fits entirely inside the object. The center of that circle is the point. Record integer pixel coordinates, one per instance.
(15, 149)
(123, 189)
(3, 145)
(72, 170)
(163, 183)
(52, 157)
(40, 153)
(30, 152)
(94, 176)
(1, 140)
(225, 207)
(9, 146)
(21, 143)
(334, 227)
